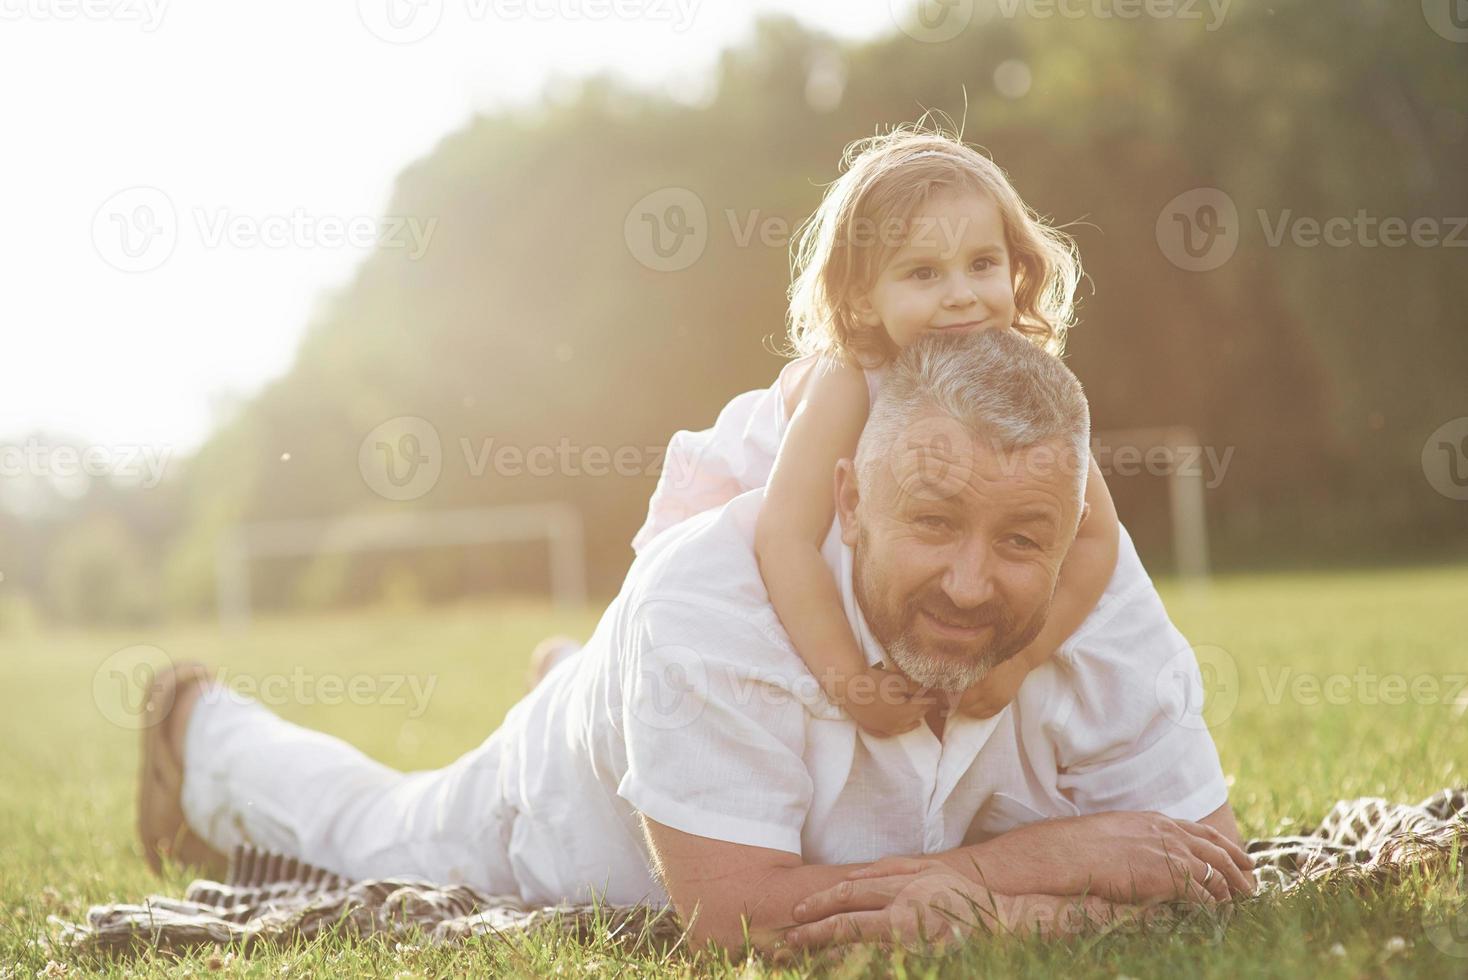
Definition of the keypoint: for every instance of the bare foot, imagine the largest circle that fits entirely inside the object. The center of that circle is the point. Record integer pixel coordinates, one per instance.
(547, 653)
(162, 828)
(185, 699)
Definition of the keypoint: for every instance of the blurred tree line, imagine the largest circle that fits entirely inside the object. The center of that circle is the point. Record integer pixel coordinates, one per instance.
(529, 320)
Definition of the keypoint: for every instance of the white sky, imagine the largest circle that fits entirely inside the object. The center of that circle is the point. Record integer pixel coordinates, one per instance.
(250, 111)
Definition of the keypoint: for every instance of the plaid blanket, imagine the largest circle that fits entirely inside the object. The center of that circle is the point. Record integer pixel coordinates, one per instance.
(274, 900)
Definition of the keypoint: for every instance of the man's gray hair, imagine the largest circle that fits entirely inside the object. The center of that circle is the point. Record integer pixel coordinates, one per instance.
(996, 384)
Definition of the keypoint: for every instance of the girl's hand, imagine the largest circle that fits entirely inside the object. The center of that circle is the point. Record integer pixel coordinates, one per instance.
(885, 702)
(990, 696)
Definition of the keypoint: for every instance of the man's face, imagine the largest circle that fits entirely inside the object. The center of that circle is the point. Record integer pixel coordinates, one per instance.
(957, 545)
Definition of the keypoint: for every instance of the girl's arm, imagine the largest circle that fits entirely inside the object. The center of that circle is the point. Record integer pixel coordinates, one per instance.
(1083, 577)
(793, 523)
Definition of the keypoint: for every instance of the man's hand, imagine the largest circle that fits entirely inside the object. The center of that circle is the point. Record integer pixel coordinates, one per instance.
(924, 905)
(1123, 856)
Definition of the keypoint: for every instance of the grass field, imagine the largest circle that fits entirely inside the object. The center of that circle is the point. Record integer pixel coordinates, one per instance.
(1324, 686)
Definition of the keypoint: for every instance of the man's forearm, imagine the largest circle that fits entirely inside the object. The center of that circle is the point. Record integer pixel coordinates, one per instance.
(761, 902)
(722, 889)
(1046, 857)
(718, 887)
(1033, 859)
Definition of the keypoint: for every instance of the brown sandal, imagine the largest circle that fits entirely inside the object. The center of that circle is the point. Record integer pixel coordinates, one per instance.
(161, 824)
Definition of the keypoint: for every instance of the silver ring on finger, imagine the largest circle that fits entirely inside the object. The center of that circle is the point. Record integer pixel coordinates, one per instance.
(1208, 876)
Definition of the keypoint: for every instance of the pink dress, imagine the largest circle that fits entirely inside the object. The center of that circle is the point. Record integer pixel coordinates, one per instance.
(707, 469)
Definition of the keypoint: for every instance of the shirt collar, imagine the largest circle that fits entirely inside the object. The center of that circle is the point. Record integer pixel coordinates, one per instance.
(841, 558)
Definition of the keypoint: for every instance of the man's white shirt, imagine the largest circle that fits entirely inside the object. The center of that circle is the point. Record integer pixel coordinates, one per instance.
(690, 705)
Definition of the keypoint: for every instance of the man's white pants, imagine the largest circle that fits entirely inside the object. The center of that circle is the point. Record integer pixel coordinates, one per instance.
(251, 777)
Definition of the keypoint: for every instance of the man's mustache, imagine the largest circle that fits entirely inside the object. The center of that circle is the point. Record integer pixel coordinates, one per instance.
(991, 613)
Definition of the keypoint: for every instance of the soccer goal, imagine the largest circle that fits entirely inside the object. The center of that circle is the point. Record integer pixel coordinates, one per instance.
(1175, 454)
(558, 524)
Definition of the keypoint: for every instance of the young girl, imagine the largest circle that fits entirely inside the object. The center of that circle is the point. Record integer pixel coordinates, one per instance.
(921, 234)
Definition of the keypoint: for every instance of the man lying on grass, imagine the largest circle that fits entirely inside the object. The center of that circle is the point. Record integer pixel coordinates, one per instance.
(686, 754)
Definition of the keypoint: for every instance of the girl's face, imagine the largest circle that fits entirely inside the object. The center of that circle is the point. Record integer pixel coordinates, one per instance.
(952, 273)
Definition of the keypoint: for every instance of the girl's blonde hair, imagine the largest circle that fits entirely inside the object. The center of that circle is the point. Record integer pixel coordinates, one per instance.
(839, 250)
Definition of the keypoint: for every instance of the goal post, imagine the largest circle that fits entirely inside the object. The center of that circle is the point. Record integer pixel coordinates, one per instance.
(1175, 454)
(558, 523)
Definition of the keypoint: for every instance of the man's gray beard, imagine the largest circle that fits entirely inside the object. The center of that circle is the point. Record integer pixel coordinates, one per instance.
(940, 673)
(951, 675)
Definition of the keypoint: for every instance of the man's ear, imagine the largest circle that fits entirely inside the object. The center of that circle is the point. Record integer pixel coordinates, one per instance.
(847, 497)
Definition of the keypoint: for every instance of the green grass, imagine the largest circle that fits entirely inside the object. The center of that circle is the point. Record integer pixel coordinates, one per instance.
(67, 771)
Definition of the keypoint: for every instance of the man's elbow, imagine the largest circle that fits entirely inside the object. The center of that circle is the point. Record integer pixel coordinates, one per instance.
(730, 916)
(714, 886)
(706, 923)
